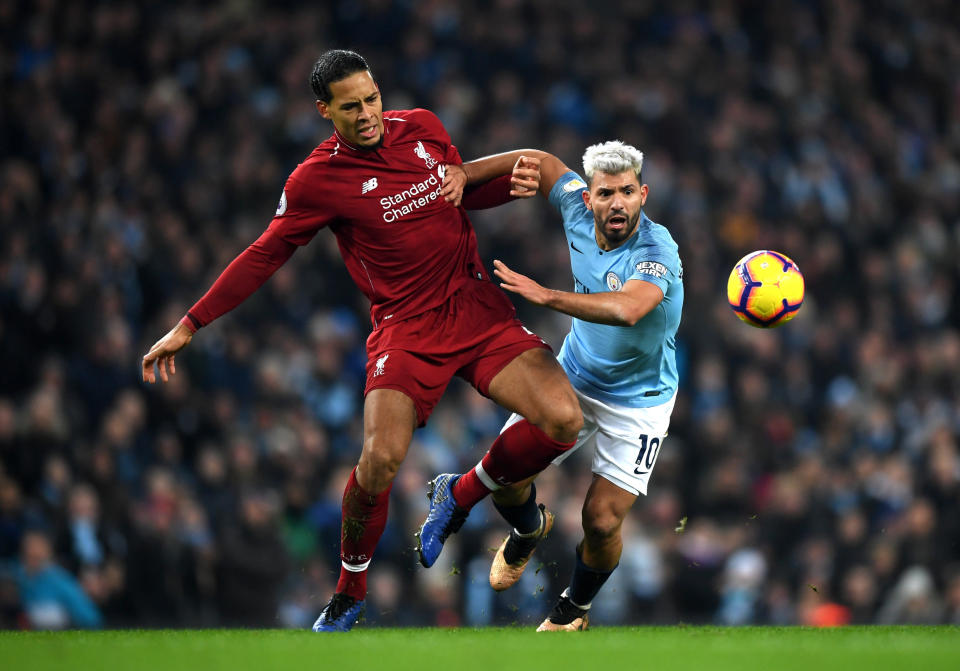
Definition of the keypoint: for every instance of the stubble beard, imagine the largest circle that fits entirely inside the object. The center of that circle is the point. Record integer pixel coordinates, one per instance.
(616, 238)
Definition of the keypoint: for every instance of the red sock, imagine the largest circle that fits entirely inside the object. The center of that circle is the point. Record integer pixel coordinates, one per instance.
(363, 517)
(520, 451)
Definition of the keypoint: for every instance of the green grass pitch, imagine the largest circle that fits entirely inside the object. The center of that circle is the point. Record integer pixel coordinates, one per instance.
(494, 649)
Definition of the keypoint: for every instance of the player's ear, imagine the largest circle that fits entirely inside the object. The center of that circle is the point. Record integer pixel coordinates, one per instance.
(644, 192)
(324, 109)
(586, 198)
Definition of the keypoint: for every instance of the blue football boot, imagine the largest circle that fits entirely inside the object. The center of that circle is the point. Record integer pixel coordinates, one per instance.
(340, 614)
(445, 518)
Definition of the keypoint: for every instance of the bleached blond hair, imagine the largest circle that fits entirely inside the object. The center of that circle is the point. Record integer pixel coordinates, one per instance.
(612, 157)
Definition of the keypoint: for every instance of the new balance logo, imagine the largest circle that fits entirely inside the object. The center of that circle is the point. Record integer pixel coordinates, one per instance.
(380, 363)
(369, 185)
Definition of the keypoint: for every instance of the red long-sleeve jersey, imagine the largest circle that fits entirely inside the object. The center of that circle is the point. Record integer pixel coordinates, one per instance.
(404, 246)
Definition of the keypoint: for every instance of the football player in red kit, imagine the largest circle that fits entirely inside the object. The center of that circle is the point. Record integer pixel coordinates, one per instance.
(389, 186)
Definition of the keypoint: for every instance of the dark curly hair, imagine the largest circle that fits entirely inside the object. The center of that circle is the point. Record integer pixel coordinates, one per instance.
(333, 66)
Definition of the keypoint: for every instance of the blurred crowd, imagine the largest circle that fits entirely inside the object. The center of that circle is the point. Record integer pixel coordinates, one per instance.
(812, 473)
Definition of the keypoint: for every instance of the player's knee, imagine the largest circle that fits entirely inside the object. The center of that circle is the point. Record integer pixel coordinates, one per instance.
(379, 466)
(378, 473)
(600, 524)
(564, 420)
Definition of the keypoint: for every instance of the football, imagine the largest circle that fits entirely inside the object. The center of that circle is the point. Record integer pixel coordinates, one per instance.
(765, 289)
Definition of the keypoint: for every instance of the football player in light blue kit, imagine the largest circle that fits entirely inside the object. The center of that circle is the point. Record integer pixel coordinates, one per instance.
(619, 356)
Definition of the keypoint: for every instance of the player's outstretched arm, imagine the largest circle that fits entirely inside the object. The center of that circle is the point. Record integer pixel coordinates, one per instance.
(481, 195)
(236, 283)
(617, 308)
(531, 170)
(494, 180)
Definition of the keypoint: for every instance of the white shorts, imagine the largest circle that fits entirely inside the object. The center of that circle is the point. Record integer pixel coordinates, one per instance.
(625, 441)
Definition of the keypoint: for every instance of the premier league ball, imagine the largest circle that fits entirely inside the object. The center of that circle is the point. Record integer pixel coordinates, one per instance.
(765, 289)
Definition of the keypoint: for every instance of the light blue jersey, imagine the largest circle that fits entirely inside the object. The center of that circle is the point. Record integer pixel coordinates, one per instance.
(632, 366)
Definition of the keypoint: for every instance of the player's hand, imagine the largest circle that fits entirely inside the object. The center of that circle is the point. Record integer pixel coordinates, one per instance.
(454, 181)
(162, 353)
(525, 178)
(520, 284)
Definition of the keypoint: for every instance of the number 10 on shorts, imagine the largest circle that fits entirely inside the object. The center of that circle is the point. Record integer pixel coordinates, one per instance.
(648, 454)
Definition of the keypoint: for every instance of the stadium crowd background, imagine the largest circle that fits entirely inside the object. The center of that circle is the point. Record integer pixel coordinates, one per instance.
(812, 475)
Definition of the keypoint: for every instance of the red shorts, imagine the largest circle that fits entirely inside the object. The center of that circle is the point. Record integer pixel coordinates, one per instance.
(473, 335)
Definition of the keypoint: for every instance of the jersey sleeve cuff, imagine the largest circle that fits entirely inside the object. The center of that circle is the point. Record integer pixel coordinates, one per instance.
(191, 322)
